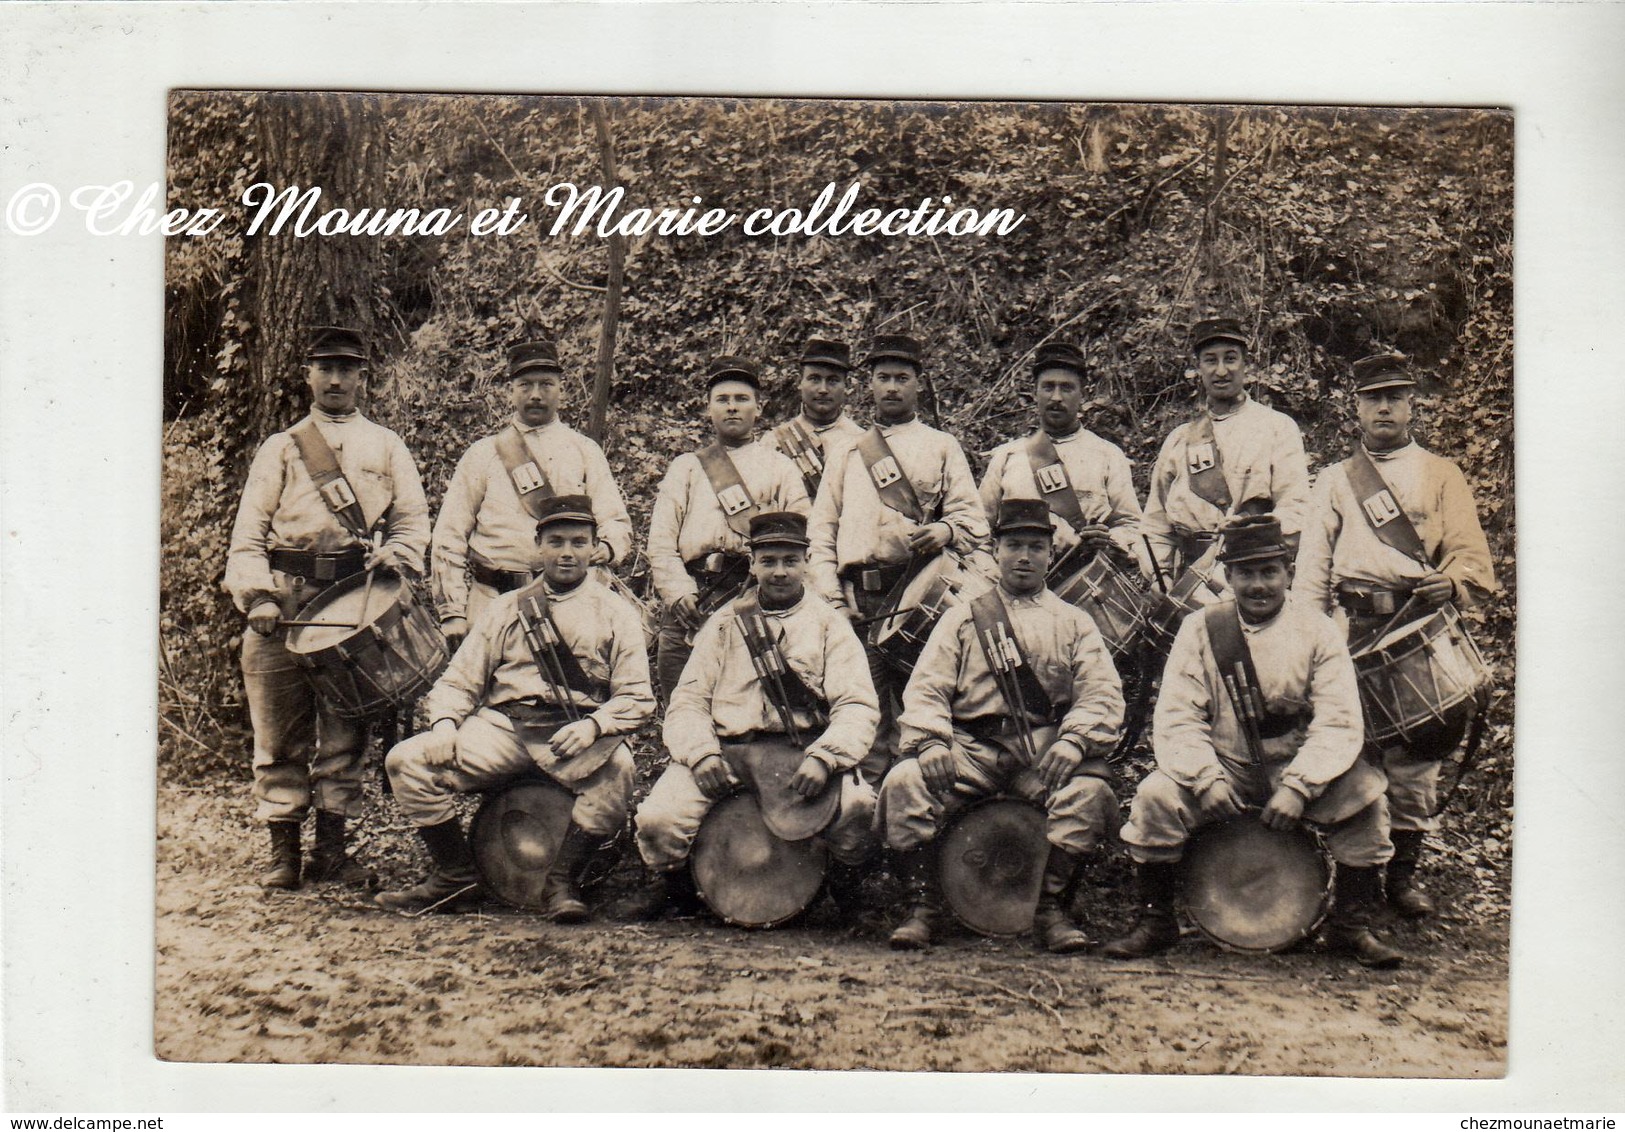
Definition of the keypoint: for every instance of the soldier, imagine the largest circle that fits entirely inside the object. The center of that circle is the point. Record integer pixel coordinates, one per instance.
(484, 537)
(317, 498)
(889, 503)
(698, 552)
(1085, 480)
(722, 701)
(976, 724)
(1298, 758)
(815, 437)
(1236, 452)
(500, 710)
(1394, 528)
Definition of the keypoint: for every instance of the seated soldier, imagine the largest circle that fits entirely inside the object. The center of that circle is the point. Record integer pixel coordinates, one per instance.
(722, 702)
(514, 702)
(1298, 759)
(1035, 721)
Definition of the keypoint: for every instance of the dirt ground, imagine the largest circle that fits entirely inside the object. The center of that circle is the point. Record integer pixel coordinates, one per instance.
(318, 975)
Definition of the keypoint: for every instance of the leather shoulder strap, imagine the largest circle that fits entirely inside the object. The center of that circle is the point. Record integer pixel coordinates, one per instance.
(732, 494)
(549, 649)
(1382, 511)
(1204, 464)
(1053, 482)
(772, 669)
(1003, 654)
(886, 474)
(528, 478)
(323, 468)
(805, 449)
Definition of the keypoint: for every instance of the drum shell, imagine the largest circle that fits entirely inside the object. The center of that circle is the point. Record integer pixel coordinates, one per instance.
(991, 861)
(1109, 596)
(515, 837)
(1166, 612)
(1421, 681)
(1253, 889)
(941, 584)
(746, 875)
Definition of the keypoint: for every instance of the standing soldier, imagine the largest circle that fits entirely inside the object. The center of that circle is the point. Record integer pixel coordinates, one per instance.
(550, 680)
(1393, 528)
(317, 498)
(1237, 453)
(976, 723)
(1298, 759)
(699, 535)
(723, 701)
(1085, 481)
(816, 437)
(484, 537)
(889, 503)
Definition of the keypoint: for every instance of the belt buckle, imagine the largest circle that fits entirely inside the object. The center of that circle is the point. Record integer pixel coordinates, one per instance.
(712, 563)
(1382, 602)
(324, 567)
(870, 581)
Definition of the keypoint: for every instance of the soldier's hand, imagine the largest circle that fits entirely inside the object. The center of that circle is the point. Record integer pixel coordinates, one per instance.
(1095, 536)
(1436, 589)
(687, 610)
(441, 749)
(454, 629)
(937, 768)
(601, 554)
(263, 618)
(810, 778)
(1284, 810)
(930, 538)
(712, 776)
(1218, 800)
(573, 738)
(1058, 764)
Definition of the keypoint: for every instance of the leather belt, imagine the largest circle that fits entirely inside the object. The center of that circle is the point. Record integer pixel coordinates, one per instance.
(1194, 544)
(986, 727)
(531, 711)
(874, 579)
(319, 567)
(503, 581)
(1371, 601)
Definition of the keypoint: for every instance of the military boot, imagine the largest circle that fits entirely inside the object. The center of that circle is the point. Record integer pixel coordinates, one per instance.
(329, 861)
(561, 896)
(1404, 895)
(917, 869)
(845, 885)
(666, 892)
(1157, 929)
(284, 869)
(1349, 932)
(452, 884)
(1050, 920)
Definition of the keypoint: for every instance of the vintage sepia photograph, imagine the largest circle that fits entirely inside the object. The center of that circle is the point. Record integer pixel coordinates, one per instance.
(739, 583)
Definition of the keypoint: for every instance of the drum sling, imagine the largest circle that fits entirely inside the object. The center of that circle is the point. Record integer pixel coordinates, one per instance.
(528, 478)
(886, 474)
(1382, 511)
(1054, 485)
(732, 495)
(781, 684)
(806, 450)
(1018, 685)
(323, 468)
(1204, 464)
(563, 674)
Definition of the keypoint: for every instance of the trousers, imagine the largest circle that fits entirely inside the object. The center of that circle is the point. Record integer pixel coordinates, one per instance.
(490, 754)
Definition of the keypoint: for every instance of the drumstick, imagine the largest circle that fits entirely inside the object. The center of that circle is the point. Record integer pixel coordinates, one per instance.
(1156, 566)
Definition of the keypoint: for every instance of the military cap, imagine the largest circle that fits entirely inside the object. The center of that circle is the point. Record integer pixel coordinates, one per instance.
(565, 509)
(778, 528)
(730, 367)
(336, 342)
(825, 352)
(1023, 515)
(895, 347)
(1252, 538)
(539, 353)
(1058, 355)
(1218, 329)
(1382, 371)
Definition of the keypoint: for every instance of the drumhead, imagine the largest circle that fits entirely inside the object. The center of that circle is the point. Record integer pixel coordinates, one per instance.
(747, 876)
(1254, 889)
(991, 860)
(516, 836)
(342, 602)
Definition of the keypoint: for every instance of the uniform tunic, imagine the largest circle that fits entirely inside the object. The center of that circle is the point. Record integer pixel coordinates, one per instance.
(834, 437)
(483, 517)
(281, 509)
(1303, 669)
(721, 698)
(953, 686)
(1101, 478)
(1262, 455)
(495, 666)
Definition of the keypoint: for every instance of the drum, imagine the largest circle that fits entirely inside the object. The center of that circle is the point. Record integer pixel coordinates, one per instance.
(364, 661)
(1167, 611)
(516, 835)
(746, 875)
(940, 584)
(1254, 889)
(991, 862)
(1110, 596)
(1420, 680)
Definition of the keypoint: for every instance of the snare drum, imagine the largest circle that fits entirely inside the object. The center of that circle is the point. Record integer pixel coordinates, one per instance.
(748, 876)
(1253, 889)
(516, 835)
(940, 584)
(1420, 680)
(1190, 592)
(365, 661)
(1110, 596)
(991, 863)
